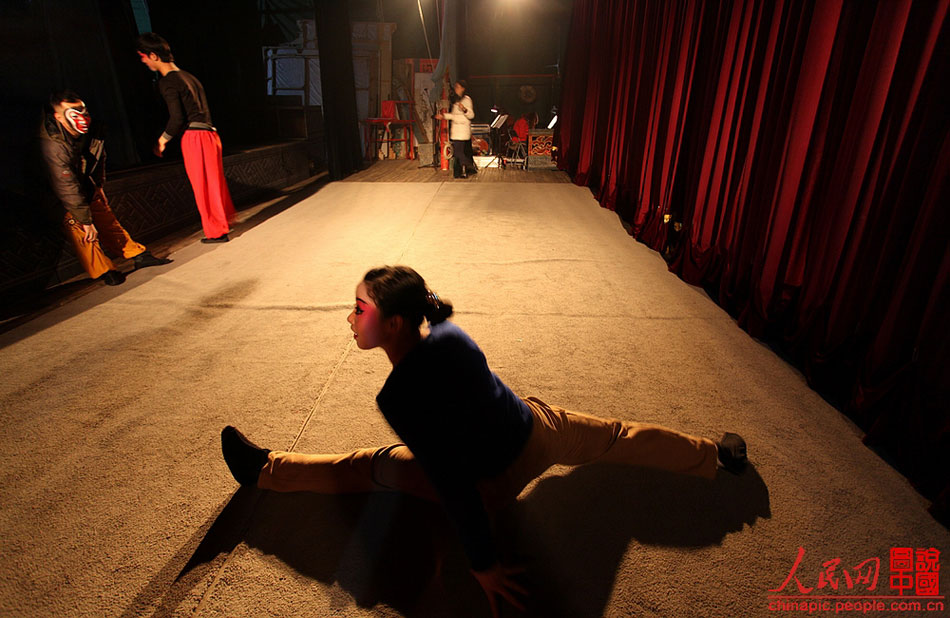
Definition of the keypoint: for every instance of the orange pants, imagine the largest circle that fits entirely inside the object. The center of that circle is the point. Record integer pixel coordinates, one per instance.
(112, 237)
(557, 437)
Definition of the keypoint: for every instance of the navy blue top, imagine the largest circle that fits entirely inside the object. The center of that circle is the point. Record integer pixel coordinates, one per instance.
(461, 422)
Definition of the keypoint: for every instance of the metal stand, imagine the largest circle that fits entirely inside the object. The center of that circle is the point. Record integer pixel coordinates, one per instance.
(495, 126)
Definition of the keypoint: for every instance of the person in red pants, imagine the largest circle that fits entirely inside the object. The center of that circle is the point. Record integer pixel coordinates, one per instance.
(190, 117)
(468, 442)
(75, 156)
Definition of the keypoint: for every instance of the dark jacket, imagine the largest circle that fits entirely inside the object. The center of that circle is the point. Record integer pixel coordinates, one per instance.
(76, 166)
(462, 424)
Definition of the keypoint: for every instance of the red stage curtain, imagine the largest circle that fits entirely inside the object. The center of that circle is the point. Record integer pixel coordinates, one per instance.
(792, 157)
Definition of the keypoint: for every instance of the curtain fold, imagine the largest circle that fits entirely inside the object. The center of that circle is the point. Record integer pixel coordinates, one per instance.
(340, 122)
(791, 157)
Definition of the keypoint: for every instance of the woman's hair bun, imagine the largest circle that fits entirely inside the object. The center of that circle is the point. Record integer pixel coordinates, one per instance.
(437, 309)
(400, 290)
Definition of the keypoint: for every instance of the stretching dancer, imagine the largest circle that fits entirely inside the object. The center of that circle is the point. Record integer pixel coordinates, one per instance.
(468, 441)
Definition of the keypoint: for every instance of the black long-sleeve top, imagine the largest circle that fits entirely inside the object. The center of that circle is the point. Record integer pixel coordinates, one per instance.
(461, 422)
(185, 98)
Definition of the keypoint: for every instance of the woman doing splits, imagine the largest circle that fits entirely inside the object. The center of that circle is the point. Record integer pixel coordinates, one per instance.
(468, 441)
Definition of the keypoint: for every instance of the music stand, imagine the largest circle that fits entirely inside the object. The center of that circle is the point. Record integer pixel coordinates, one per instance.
(496, 124)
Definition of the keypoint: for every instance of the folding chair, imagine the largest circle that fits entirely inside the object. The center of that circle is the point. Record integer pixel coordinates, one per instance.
(517, 151)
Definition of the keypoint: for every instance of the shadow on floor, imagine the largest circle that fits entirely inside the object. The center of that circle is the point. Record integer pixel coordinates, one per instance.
(29, 305)
(571, 532)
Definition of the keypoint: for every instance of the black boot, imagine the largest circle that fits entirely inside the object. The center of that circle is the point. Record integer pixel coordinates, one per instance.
(112, 277)
(144, 260)
(732, 452)
(244, 458)
(221, 238)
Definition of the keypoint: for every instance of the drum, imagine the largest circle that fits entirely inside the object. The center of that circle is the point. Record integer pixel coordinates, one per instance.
(480, 145)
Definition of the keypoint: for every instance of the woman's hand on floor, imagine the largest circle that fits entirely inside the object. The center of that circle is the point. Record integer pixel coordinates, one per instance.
(496, 581)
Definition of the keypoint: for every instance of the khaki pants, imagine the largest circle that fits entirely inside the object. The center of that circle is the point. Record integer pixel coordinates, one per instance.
(112, 237)
(558, 437)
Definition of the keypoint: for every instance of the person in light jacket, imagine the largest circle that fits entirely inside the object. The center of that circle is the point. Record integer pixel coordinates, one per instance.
(460, 132)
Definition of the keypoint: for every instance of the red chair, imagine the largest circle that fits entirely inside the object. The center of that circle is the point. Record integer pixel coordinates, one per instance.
(383, 130)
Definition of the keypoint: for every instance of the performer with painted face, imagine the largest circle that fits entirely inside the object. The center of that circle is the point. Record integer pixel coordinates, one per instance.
(190, 118)
(75, 156)
(468, 441)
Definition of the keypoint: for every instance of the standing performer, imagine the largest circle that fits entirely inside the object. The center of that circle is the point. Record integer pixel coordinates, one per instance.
(460, 134)
(190, 117)
(469, 441)
(75, 155)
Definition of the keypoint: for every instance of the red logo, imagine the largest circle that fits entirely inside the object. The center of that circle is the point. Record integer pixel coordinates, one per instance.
(913, 584)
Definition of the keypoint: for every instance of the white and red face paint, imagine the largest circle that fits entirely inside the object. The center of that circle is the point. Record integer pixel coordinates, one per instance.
(365, 320)
(77, 118)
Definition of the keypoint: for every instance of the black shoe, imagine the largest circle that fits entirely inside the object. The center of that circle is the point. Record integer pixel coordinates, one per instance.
(464, 175)
(732, 452)
(112, 277)
(244, 458)
(221, 238)
(473, 171)
(144, 260)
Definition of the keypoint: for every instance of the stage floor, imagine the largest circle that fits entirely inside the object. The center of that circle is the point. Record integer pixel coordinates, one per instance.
(406, 170)
(116, 500)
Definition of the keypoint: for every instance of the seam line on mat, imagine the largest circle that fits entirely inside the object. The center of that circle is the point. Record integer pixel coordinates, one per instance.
(415, 227)
(313, 409)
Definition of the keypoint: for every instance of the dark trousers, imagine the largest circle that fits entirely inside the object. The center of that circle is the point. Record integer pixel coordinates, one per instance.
(462, 156)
